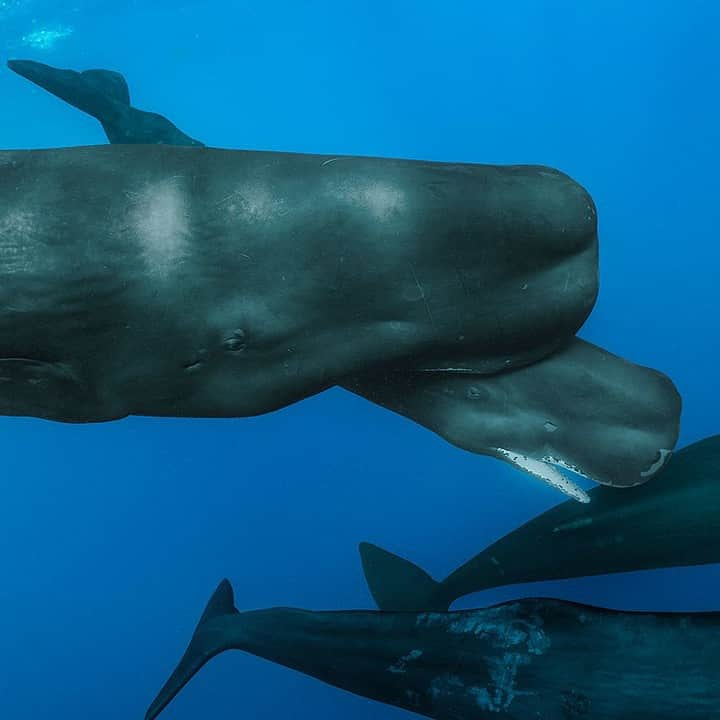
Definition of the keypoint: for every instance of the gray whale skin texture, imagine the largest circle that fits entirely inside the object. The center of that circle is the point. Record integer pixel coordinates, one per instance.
(524, 659)
(165, 280)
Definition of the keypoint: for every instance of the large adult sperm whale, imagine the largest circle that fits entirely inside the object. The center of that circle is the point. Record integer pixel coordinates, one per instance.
(634, 423)
(528, 659)
(671, 523)
(165, 280)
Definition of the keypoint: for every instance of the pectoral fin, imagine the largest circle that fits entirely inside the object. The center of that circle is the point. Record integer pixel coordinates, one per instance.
(37, 388)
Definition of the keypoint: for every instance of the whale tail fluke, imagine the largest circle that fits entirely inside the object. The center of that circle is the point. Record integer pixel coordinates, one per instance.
(206, 643)
(95, 92)
(104, 94)
(398, 585)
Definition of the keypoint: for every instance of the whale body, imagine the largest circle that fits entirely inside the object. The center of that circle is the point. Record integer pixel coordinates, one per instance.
(526, 659)
(671, 522)
(378, 275)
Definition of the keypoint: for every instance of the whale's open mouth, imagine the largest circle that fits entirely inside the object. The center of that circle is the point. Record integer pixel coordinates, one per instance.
(547, 470)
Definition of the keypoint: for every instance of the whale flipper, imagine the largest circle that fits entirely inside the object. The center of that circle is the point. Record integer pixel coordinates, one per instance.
(104, 94)
(204, 645)
(28, 382)
(397, 584)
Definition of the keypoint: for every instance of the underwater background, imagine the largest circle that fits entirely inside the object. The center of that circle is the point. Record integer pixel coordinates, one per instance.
(113, 535)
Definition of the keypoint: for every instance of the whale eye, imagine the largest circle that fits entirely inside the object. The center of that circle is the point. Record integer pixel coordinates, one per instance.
(236, 341)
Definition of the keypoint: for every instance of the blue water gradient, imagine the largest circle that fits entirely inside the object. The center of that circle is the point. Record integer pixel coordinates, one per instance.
(112, 536)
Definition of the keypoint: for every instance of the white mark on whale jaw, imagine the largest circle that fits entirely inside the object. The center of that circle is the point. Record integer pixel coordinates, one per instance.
(160, 221)
(658, 464)
(544, 470)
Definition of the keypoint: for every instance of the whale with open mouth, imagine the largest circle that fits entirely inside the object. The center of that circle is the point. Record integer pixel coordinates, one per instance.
(201, 282)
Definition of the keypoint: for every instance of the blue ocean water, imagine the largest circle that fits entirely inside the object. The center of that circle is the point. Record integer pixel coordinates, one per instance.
(112, 536)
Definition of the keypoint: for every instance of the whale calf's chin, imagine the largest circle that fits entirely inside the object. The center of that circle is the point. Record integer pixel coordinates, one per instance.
(580, 411)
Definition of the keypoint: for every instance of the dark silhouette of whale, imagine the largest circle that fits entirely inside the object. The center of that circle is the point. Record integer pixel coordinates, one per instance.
(105, 95)
(446, 292)
(527, 659)
(671, 523)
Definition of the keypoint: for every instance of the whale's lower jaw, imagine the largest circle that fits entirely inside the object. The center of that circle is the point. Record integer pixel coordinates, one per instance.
(548, 469)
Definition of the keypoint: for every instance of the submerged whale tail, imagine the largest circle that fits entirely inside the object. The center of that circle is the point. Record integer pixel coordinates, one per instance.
(99, 93)
(105, 95)
(398, 585)
(205, 644)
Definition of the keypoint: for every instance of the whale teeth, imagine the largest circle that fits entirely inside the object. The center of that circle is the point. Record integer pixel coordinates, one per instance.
(544, 470)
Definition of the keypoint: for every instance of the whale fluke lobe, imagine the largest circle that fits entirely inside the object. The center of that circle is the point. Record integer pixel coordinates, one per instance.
(110, 83)
(206, 643)
(399, 585)
(95, 92)
(104, 95)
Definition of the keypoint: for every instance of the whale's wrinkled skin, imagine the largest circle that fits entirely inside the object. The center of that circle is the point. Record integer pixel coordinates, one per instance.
(528, 659)
(672, 522)
(163, 280)
(432, 289)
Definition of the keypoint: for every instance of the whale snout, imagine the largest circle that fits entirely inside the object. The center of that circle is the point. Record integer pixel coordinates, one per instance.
(599, 416)
(579, 412)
